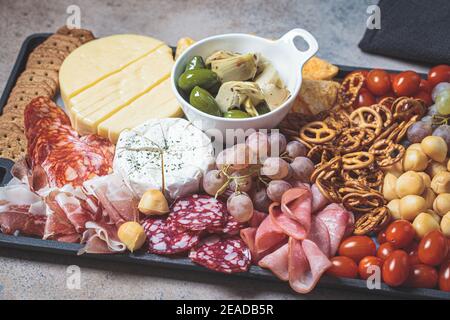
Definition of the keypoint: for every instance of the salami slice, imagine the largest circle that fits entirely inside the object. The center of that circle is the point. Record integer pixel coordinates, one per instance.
(163, 238)
(223, 255)
(231, 226)
(100, 144)
(197, 213)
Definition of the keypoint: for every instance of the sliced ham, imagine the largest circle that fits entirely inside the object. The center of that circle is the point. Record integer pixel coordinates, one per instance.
(268, 236)
(277, 262)
(319, 201)
(248, 236)
(307, 263)
(257, 218)
(320, 236)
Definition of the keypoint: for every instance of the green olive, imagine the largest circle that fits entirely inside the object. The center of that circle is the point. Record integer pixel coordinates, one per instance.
(236, 114)
(204, 101)
(203, 78)
(195, 63)
(262, 108)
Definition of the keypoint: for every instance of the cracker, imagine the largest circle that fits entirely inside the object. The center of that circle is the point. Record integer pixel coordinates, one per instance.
(15, 107)
(52, 74)
(9, 126)
(16, 118)
(47, 51)
(316, 96)
(35, 90)
(20, 98)
(50, 63)
(29, 79)
(60, 44)
(318, 69)
(82, 34)
(62, 37)
(13, 145)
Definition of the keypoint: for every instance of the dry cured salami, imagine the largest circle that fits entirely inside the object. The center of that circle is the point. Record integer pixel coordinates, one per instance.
(163, 238)
(100, 144)
(229, 255)
(197, 213)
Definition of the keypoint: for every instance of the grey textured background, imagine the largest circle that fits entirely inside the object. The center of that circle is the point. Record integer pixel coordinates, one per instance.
(338, 26)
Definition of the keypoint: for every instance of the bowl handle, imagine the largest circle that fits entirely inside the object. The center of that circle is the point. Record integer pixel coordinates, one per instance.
(313, 46)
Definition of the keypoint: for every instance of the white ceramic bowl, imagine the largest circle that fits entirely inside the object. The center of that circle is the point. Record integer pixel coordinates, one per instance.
(282, 53)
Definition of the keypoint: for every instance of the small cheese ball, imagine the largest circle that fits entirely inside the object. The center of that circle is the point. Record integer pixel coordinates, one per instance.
(426, 179)
(410, 206)
(434, 168)
(415, 160)
(389, 185)
(435, 148)
(424, 223)
(415, 146)
(153, 202)
(434, 215)
(394, 208)
(409, 183)
(396, 169)
(131, 234)
(429, 197)
(441, 204)
(441, 182)
(445, 225)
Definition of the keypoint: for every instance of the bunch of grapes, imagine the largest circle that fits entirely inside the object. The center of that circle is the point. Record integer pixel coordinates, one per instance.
(256, 173)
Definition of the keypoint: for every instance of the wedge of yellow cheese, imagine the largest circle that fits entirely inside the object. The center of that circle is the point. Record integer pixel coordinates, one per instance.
(100, 58)
(157, 103)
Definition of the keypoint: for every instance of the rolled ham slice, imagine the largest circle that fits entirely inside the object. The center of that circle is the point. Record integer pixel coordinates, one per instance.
(307, 263)
(268, 236)
(277, 262)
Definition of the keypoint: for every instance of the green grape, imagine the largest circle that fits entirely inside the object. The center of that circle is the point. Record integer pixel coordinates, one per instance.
(443, 102)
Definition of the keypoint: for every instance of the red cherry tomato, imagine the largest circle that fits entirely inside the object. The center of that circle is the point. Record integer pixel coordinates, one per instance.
(444, 276)
(425, 86)
(406, 83)
(367, 265)
(357, 247)
(422, 276)
(343, 267)
(384, 250)
(381, 237)
(425, 96)
(378, 82)
(400, 233)
(433, 248)
(438, 74)
(365, 98)
(392, 77)
(396, 268)
(413, 253)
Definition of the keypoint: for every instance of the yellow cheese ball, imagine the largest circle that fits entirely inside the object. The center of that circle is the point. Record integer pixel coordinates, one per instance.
(429, 197)
(389, 185)
(434, 215)
(434, 168)
(435, 148)
(445, 225)
(424, 223)
(394, 208)
(396, 169)
(441, 204)
(409, 183)
(441, 182)
(410, 206)
(415, 160)
(131, 234)
(153, 202)
(426, 179)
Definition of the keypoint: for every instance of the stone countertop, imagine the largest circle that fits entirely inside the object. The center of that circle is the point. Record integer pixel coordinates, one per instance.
(338, 26)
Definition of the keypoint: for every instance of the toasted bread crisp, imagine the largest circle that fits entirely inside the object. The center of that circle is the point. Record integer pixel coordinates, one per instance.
(316, 96)
(318, 69)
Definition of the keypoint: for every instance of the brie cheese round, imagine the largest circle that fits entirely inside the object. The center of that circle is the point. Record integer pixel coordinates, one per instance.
(166, 154)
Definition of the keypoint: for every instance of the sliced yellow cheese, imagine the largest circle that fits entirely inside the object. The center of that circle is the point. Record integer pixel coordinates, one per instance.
(100, 58)
(159, 102)
(103, 99)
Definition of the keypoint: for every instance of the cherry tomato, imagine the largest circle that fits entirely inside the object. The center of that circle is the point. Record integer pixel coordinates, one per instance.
(425, 96)
(367, 265)
(381, 237)
(413, 253)
(378, 82)
(365, 98)
(422, 276)
(343, 267)
(357, 247)
(433, 248)
(425, 86)
(444, 276)
(396, 268)
(392, 77)
(438, 74)
(400, 233)
(406, 83)
(384, 250)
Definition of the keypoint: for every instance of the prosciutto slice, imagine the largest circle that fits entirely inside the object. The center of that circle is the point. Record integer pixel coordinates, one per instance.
(101, 238)
(307, 263)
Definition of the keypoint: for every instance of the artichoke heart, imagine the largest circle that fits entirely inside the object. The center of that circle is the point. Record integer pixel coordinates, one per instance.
(220, 55)
(237, 68)
(272, 87)
(233, 94)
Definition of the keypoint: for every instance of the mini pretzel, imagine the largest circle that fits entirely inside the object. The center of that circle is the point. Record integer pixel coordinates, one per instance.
(385, 113)
(317, 132)
(338, 120)
(366, 117)
(369, 137)
(372, 222)
(404, 128)
(327, 186)
(334, 164)
(387, 132)
(362, 203)
(320, 154)
(405, 108)
(387, 102)
(349, 89)
(387, 152)
(357, 160)
(350, 140)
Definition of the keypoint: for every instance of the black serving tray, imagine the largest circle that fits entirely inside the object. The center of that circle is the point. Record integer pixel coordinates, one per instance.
(152, 260)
